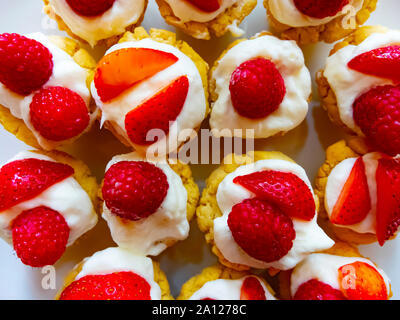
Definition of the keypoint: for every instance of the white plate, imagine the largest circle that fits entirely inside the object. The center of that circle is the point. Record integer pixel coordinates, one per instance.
(305, 144)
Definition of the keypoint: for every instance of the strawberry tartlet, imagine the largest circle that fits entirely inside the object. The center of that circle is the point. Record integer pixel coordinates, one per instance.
(152, 90)
(259, 211)
(203, 18)
(262, 85)
(96, 21)
(311, 21)
(48, 201)
(116, 274)
(44, 96)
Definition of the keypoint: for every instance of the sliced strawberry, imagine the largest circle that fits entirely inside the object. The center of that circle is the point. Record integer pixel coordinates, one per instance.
(354, 201)
(157, 113)
(382, 62)
(121, 69)
(206, 5)
(252, 290)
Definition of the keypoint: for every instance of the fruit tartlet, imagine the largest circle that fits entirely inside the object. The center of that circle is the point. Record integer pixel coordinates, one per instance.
(340, 273)
(151, 88)
(221, 283)
(116, 274)
(259, 210)
(44, 96)
(203, 18)
(96, 21)
(47, 201)
(148, 205)
(360, 88)
(261, 84)
(311, 21)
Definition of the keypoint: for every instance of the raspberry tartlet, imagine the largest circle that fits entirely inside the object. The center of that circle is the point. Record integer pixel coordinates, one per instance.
(47, 201)
(262, 85)
(116, 274)
(148, 205)
(44, 96)
(203, 18)
(96, 21)
(259, 211)
(311, 21)
(151, 88)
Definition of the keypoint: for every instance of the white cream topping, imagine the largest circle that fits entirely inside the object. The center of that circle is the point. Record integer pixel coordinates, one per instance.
(66, 197)
(194, 108)
(113, 22)
(349, 84)
(309, 236)
(120, 260)
(149, 236)
(289, 60)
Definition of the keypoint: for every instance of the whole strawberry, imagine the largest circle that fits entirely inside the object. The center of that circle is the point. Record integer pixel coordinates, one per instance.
(90, 8)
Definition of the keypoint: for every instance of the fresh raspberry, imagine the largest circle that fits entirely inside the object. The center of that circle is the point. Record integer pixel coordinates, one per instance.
(377, 113)
(283, 189)
(40, 236)
(134, 189)
(114, 286)
(23, 180)
(25, 64)
(320, 8)
(206, 5)
(316, 290)
(90, 8)
(261, 230)
(257, 88)
(252, 290)
(58, 113)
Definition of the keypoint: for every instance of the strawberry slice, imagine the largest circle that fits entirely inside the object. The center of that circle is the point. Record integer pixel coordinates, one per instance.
(252, 290)
(121, 69)
(157, 113)
(382, 62)
(388, 198)
(354, 201)
(206, 5)
(361, 281)
(22, 180)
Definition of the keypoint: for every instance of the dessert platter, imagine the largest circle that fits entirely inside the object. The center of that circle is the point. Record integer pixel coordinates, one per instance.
(101, 101)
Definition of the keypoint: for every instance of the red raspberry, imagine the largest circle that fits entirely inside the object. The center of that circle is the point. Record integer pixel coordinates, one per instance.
(257, 88)
(134, 189)
(90, 8)
(206, 5)
(252, 290)
(40, 236)
(25, 64)
(114, 286)
(58, 113)
(261, 230)
(377, 113)
(316, 290)
(320, 8)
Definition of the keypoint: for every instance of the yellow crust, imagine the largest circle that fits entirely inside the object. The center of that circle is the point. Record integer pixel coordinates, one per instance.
(329, 32)
(218, 26)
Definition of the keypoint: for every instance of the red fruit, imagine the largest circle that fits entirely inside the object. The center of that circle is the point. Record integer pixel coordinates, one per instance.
(157, 113)
(205, 299)
(122, 69)
(206, 5)
(257, 88)
(58, 113)
(388, 198)
(40, 236)
(90, 8)
(23, 180)
(361, 281)
(25, 64)
(114, 286)
(320, 8)
(377, 113)
(283, 189)
(382, 62)
(354, 201)
(252, 290)
(261, 230)
(134, 189)
(316, 290)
